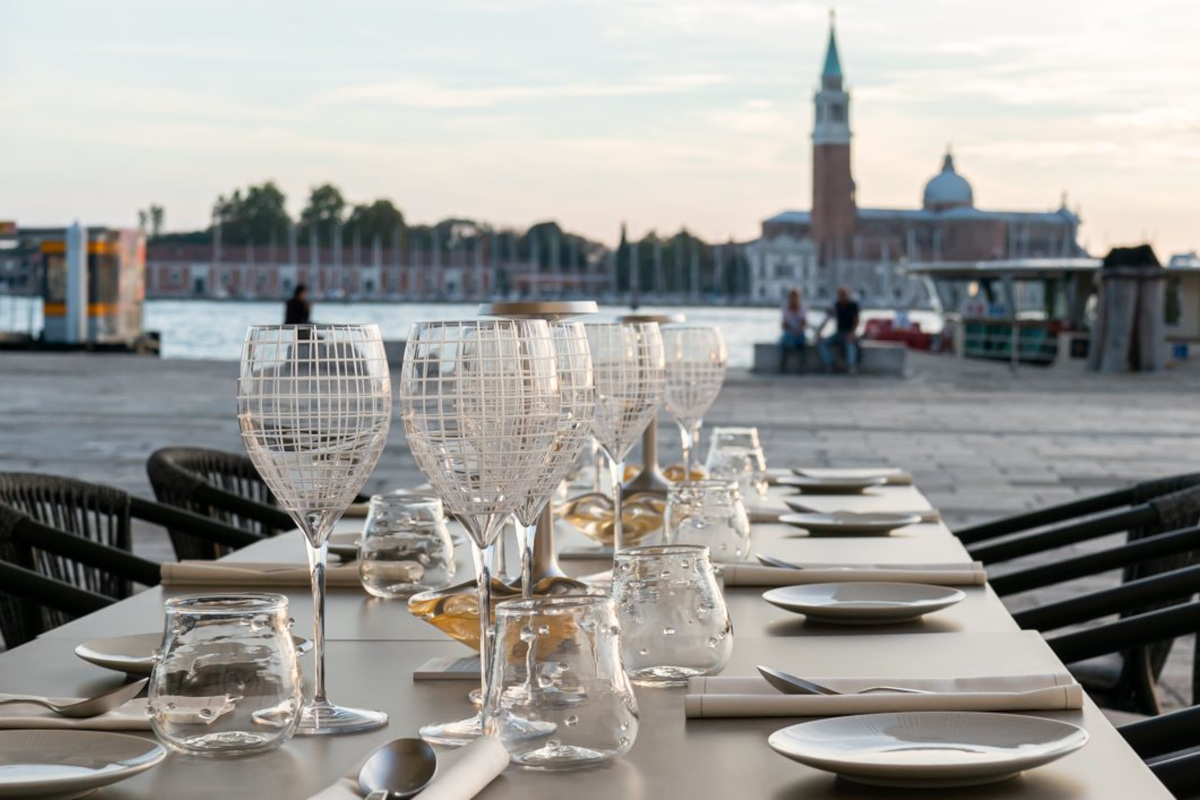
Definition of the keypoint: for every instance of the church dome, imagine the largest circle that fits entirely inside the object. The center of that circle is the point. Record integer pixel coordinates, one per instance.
(948, 189)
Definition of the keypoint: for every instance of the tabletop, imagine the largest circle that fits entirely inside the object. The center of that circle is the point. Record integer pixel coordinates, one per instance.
(374, 646)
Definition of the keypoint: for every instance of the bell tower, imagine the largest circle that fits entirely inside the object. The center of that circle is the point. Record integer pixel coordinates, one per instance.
(833, 208)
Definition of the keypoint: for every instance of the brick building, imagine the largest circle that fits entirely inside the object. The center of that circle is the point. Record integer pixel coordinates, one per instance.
(839, 242)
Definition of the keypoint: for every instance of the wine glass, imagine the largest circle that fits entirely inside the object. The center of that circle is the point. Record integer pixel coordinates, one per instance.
(574, 361)
(314, 407)
(481, 406)
(696, 357)
(629, 371)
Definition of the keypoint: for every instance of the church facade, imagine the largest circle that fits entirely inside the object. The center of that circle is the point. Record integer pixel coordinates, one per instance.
(837, 242)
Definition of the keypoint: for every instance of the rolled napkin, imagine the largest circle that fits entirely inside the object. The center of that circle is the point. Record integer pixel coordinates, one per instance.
(129, 717)
(760, 514)
(356, 510)
(246, 573)
(461, 774)
(966, 573)
(754, 697)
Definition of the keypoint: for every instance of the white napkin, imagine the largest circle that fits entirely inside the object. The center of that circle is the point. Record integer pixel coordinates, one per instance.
(245, 573)
(129, 717)
(754, 697)
(461, 774)
(967, 573)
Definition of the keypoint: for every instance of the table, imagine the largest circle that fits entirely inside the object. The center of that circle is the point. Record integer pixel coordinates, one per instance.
(373, 647)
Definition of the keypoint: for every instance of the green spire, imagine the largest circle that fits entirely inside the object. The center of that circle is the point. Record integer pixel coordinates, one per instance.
(833, 65)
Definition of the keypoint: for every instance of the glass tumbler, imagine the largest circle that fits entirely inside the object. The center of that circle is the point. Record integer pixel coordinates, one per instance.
(674, 622)
(406, 546)
(736, 454)
(558, 696)
(226, 681)
(709, 513)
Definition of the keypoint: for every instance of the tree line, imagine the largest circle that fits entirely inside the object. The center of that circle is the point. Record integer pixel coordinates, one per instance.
(257, 216)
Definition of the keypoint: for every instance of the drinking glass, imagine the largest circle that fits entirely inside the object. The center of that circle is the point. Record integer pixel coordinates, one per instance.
(406, 546)
(736, 454)
(574, 361)
(481, 406)
(630, 374)
(673, 618)
(710, 513)
(227, 681)
(695, 370)
(558, 694)
(314, 407)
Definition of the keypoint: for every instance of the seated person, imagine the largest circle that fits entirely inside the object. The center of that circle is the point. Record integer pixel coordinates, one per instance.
(845, 337)
(794, 324)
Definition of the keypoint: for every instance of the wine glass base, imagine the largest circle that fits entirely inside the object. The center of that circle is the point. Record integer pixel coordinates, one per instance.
(453, 734)
(326, 719)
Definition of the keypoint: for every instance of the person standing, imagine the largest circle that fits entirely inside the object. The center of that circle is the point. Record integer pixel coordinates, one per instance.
(845, 336)
(795, 323)
(298, 308)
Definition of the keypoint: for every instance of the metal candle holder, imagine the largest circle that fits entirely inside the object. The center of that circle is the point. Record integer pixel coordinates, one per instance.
(545, 559)
(651, 478)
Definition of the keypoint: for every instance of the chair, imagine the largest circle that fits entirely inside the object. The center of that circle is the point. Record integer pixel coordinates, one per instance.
(222, 486)
(78, 533)
(1158, 571)
(25, 589)
(1169, 745)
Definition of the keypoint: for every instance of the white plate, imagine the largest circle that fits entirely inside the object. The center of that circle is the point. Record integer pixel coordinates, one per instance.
(928, 749)
(134, 654)
(63, 764)
(849, 522)
(835, 485)
(887, 473)
(863, 602)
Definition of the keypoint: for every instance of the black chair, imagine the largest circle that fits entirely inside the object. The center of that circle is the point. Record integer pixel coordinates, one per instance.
(1157, 518)
(216, 484)
(222, 486)
(25, 589)
(78, 533)
(1169, 745)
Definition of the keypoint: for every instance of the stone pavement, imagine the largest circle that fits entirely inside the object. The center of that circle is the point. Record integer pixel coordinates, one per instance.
(981, 441)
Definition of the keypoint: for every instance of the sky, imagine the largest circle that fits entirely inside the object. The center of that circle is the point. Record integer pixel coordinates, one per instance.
(658, 113)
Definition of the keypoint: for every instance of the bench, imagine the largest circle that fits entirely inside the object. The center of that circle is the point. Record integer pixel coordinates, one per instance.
(874, 358)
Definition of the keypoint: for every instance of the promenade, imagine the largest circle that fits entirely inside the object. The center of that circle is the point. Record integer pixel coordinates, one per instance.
(981, 441)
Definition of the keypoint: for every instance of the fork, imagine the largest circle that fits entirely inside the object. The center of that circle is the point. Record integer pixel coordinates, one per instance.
(790, 684)
(92, 706)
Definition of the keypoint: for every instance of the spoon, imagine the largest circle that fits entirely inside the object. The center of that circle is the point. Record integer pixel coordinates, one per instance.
(399, 769)
(91, 707)
(790, 684)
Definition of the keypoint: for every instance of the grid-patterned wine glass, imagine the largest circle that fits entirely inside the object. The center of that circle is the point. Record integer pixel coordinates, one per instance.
(574, 358)
(629, 370)
(314, 407)
(481, 405)
(696, 357)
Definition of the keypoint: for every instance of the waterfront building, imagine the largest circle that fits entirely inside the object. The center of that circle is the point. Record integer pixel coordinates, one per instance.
(840, 242)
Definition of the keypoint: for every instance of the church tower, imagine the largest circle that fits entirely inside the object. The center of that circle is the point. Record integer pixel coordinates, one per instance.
(833, 209)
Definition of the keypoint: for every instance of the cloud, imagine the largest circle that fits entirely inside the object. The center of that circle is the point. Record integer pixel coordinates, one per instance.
(423, 93)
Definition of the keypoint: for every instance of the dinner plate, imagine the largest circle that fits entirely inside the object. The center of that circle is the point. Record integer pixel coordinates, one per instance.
(134, 654)
(832, 485)
(64, 764)
(863, 602)
(887, 473)
(928, 749)
(850, 522)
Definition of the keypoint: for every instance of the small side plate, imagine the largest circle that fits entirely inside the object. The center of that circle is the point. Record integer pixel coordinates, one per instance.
(63, 764)
(863, 602)
(838, 485)
(134, 654)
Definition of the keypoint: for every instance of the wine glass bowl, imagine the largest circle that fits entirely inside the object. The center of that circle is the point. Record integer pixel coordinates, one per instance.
(695, 371)
(314, 409)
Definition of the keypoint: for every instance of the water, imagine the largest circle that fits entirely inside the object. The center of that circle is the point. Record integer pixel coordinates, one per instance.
(214, 329)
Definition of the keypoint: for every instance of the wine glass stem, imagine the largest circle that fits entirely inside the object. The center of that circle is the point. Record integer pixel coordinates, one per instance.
(483, 576)
(616, 471)
(316, 567)
(526, 534)
(686, 440)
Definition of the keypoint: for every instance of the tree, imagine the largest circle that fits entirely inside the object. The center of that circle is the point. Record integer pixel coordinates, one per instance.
(380, 218)
(325, 211)
(258, 217)
(151, 220)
